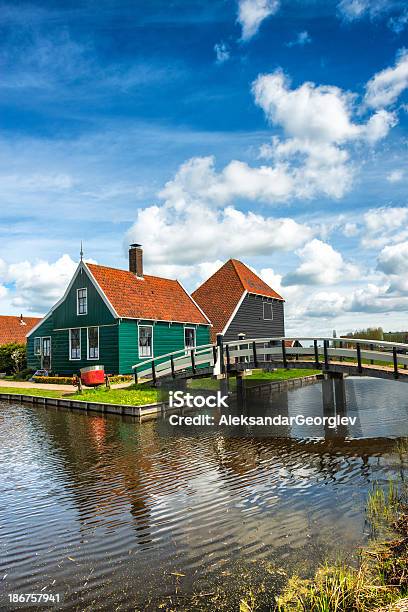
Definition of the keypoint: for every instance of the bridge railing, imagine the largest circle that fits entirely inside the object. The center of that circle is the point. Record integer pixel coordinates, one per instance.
(171, 363)
(320, 350)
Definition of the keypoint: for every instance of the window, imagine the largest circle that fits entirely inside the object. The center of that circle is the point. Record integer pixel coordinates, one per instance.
(75, 343)
(145, 341)
(267, 311)
(82, 301)
(93, 342)
(37, 346)
(189, 337)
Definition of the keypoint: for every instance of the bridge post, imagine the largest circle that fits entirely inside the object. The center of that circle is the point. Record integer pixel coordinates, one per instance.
(227, 354)
(284, 357)
(371, 349)
(220, 347)
(395, 361)
(340, 347)
(135, 375)
(359, 365)
(193, 365)
(254, 353)
(173, 371)
(214, 350)
(154, 372)
(326, 354)
(316, 353)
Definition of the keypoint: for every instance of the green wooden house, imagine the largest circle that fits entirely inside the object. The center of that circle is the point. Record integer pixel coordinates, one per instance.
(116, 318)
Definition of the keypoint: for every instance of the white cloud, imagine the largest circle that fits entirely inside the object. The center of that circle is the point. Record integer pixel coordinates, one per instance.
(319, 114)
(185, 235)
(393, 259)
(384, 225)
(398, 23)
(251, 13)
(386, 86)
(353, 9)
(395, 176)
(301, 39)
(222, 52)
(321, 265)
(37, 286)
(350, 230)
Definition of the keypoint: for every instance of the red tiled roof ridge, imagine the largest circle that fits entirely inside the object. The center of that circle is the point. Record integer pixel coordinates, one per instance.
(251, 290)
(141, 278)
(150, 298)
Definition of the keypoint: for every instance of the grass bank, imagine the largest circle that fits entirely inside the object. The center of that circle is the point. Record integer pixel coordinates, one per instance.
(254, 378)
(134, 395)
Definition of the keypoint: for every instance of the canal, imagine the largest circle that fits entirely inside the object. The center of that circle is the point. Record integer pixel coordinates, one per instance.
(111, 514)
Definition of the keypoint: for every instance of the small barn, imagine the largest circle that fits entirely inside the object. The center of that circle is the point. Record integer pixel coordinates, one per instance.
(237, 301)
(116, 318)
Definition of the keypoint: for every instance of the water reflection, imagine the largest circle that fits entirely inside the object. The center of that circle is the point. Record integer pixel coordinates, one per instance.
(109, 509)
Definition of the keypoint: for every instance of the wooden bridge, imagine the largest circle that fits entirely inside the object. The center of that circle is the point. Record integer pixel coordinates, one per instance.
(334, 356)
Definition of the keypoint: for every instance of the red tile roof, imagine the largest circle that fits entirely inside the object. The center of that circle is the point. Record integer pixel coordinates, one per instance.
(150, 297)
(15, 329)
(220, 294)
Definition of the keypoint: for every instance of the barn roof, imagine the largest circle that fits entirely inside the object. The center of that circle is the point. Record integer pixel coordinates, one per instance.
(150, 297)
(15, 329)
(220, 295)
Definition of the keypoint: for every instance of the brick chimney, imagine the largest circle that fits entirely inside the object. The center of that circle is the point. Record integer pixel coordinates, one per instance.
(136, 259)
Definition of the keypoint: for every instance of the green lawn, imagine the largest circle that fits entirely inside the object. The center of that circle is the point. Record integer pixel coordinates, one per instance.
(134, 395)
(257, 375)
(32, 391)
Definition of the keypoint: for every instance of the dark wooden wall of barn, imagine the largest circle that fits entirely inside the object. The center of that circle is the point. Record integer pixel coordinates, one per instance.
(249, 319)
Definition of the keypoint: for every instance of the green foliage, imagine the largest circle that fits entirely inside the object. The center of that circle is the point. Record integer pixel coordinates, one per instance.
(134, 395)
(13, 357)
(120, 378)
(371, 333)
(53, 380)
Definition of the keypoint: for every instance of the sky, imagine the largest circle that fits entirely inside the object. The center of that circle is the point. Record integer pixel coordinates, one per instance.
(271, 131)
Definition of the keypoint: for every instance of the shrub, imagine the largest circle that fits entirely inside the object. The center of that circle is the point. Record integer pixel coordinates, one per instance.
(120, 378)
(54, 380)
(13, 357)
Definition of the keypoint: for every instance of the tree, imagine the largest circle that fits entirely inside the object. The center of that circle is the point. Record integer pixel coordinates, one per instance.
(13, 357)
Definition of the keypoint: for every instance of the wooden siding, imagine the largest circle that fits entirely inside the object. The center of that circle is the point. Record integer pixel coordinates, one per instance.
(167, 337)
(108, 352)
(45, 329)
(65, 315)
(249, 319)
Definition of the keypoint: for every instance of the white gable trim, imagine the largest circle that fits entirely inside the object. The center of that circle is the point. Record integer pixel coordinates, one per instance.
(100, 291)
(195, 304)
(232, 317)
(81, 266)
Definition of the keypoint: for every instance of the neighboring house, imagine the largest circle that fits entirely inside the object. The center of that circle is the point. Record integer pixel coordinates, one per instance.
(116, 318)
(237, 301)
(15, 329)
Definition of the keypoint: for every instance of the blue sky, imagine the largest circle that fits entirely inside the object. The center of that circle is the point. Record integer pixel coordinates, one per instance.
(270, 131)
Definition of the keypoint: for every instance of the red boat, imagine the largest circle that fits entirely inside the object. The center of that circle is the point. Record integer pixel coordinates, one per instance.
(93, 375)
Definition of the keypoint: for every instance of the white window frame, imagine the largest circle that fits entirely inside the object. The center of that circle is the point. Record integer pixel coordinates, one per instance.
(42, 351)
(263, 307)
(80, 314)
(189, 348)
(151, 356)
(69, 345)
(37, 354)
(87, 343)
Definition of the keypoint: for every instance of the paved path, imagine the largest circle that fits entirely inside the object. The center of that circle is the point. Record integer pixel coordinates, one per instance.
(52, 387)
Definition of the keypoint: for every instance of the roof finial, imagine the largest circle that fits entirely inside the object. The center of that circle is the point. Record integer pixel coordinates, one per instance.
(81, 252)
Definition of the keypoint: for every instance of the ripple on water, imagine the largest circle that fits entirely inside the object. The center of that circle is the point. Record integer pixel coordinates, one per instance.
(110, 509)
